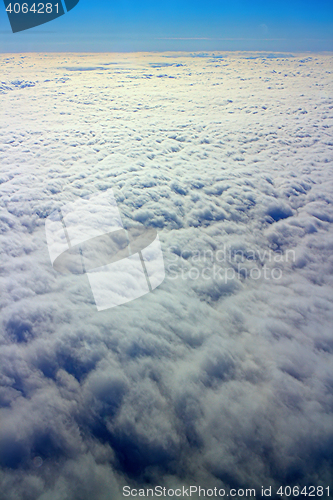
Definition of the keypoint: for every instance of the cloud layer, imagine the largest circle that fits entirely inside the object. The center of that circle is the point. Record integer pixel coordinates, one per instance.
(211, 379)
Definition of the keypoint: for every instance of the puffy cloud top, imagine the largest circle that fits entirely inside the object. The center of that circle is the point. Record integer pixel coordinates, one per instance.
(222, 375)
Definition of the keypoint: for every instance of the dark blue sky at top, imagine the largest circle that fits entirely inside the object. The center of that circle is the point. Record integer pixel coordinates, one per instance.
(135, 25)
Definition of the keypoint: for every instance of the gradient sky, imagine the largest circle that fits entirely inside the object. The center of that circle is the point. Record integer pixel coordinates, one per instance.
(149, 25)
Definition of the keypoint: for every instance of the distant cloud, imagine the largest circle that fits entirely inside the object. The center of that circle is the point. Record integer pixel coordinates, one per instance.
(221, 39)
(264, 29)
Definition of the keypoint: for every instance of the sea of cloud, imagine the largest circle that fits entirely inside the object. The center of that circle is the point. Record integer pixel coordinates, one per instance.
(222, 376)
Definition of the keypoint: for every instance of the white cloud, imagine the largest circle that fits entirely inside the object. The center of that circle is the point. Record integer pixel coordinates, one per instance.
(221, 382)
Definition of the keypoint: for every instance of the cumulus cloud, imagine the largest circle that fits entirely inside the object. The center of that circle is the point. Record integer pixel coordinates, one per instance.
(222, 375)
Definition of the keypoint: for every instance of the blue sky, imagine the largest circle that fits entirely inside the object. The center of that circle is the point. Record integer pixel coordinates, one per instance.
(147, 25)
